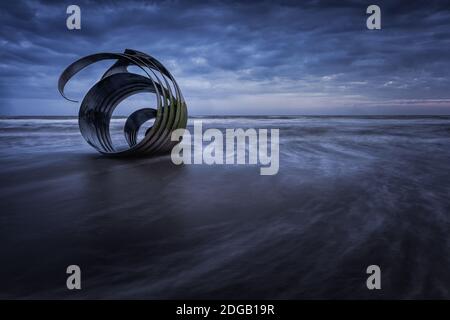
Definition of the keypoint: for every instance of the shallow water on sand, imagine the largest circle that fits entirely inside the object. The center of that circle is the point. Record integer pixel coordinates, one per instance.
(350, 192)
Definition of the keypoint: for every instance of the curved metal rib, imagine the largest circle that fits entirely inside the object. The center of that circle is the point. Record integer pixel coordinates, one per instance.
(134, 123)
(116, 84)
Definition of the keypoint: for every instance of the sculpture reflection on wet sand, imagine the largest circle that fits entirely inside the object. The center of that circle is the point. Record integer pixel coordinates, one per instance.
(117, 84)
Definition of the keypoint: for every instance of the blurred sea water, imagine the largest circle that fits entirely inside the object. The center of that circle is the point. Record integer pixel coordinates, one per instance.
(350, 192)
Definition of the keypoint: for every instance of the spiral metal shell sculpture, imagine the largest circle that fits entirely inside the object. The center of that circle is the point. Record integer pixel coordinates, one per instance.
(116, 84)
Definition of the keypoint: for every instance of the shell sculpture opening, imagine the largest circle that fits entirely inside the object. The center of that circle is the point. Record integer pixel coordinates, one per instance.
(116, 84)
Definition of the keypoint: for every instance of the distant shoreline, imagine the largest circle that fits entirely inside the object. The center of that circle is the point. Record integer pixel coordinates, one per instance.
(246, 116)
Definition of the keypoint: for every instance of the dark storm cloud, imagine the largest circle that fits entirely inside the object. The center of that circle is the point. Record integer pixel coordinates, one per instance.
(239, 57)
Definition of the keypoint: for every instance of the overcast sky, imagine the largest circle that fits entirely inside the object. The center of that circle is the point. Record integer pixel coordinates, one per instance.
(299, 57)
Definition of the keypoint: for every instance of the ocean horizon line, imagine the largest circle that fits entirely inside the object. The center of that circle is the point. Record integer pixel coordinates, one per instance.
(11, 117)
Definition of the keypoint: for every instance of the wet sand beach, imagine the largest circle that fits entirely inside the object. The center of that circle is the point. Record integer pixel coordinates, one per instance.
(350, 192)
